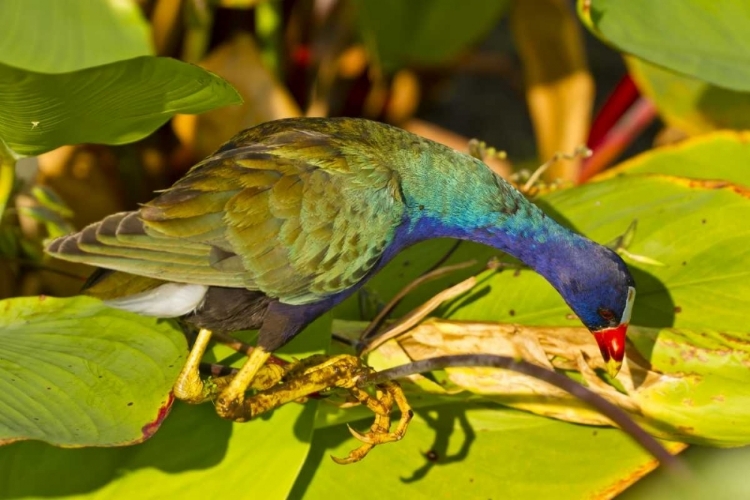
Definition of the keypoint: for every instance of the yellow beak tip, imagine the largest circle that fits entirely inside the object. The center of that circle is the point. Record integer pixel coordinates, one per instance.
(613, 367)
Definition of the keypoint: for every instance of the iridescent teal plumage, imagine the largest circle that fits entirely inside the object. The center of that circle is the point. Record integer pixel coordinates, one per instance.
(303, 211)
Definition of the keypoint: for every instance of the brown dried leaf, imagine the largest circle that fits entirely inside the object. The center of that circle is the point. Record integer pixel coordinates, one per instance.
(166, 26)
(559, 87)
(265, 98)
(563, 348)
(86, 178)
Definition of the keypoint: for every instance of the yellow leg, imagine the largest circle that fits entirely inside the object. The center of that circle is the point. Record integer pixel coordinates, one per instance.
(279, 385)
(229, 404)
(189, 387)
(379, 433)
(318, 373)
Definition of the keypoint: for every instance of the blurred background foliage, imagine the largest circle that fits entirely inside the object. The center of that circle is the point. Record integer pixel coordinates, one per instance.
(104, 101)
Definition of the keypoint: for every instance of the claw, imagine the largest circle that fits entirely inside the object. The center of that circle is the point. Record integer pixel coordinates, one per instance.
(355, 455)
(365, 438)
(275, 386)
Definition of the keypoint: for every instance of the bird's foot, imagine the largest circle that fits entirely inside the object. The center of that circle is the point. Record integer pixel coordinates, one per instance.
(276, 385)
(191, 388)
(381, 404)
(320, 373)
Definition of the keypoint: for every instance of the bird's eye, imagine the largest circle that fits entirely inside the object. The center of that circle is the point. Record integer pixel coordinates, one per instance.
(606, 314)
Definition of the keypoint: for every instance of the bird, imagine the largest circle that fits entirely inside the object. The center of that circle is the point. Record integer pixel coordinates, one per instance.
(290, 217)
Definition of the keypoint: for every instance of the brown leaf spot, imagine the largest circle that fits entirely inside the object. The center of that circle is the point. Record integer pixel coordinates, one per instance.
(677, 309)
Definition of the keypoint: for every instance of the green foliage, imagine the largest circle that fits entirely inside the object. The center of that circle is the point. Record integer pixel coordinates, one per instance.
(701, 396)
(700, 38)
(112, 104)
(60, 36)
(416, 32)
(76, 373)
(721, 156)
(688, 103)
(98, 83)
(195, 453)
(468, 451)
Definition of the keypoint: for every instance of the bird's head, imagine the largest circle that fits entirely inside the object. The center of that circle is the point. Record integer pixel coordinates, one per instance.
(601, 292)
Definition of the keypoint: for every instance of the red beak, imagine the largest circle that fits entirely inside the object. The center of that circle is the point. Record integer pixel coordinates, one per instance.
(612, 345)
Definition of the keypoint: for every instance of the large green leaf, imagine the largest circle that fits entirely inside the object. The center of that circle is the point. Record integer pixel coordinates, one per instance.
(688, 103)
(477, 451)
(416, 32)
(701, 38)
(702, 394)
(57, 36)
(111, 104)
(195, 454)
(723, 155)
(716, 473)
(76, 373)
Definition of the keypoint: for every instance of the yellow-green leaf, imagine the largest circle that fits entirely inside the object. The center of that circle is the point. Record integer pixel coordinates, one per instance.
(58, 36)
(111, 104)
(688, 103)
(76, 373)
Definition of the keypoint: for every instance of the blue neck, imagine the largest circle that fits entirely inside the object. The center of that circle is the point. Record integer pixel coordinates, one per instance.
(528, 235)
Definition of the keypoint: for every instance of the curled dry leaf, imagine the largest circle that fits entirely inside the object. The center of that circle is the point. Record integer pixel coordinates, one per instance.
(86, 178)
(670, 399)
(564, 348)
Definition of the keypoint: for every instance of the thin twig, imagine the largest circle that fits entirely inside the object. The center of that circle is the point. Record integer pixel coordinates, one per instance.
(424, 278)
(344, 340)
(445, 257)
(581, 151)
(609, 410)
(415, 316)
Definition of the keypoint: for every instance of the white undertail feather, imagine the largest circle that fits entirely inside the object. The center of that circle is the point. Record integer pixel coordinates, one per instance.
(166, 301)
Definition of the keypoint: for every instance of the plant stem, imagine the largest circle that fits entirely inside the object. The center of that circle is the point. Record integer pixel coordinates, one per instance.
(268, 24)
(7, 176)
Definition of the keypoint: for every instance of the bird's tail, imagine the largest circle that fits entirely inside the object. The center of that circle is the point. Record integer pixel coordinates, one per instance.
(121, 242)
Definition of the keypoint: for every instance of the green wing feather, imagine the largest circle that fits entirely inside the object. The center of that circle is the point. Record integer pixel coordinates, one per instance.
(291, 211)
